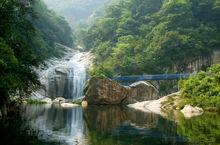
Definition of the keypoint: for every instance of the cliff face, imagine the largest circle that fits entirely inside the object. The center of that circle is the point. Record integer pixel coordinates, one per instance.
(216, 57)
(198, 64)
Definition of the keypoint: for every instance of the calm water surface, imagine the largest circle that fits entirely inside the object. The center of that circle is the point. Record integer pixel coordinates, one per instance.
(114, 125)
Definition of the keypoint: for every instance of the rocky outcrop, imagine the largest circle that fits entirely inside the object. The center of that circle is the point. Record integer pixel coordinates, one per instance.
(105, 91)
(189, 111)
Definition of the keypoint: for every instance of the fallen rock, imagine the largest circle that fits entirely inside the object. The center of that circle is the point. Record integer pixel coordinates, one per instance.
(58, 100)
(189, 111)
(68, 105)
(105, 91)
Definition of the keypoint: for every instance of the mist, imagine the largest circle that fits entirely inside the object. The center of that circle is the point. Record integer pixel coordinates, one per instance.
(78, 11)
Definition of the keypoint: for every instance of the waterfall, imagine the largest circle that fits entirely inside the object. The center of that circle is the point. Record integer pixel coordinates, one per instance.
(64, 77)
(76, 77)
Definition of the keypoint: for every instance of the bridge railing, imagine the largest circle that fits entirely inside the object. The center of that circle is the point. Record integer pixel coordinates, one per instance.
(153, 77)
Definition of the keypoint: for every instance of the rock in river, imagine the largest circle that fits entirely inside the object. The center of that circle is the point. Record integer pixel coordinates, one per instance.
(189, 111)
(105, 91)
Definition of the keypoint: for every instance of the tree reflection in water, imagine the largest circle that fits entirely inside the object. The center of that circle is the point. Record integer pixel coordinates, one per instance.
(117, 125)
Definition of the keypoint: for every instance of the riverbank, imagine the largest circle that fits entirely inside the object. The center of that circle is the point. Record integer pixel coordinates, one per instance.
(165, 105)
(153, 106)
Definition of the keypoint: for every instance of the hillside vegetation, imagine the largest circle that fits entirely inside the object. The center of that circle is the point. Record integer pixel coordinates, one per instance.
(153, 36)
(203, 89)
(28, 33)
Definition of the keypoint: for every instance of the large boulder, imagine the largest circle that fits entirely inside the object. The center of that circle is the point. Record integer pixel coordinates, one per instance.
(141, 91)
(105, 91)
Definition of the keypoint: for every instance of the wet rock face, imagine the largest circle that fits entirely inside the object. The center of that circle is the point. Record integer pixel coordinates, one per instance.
(105, 91)
(56, 86)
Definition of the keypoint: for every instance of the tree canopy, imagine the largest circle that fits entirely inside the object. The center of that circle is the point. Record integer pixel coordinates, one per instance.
(153, 36)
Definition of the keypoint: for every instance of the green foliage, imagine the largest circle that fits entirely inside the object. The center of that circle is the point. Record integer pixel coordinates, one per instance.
(203, 89)
(28, 33)
(8, 63)
(51, 29)
(35, 102)
(154, 36)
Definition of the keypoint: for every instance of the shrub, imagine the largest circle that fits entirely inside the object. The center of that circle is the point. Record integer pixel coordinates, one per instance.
(203, 89)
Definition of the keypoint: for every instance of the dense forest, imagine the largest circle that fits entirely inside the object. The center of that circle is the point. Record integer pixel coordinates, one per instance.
(28, 35)
(154, 36)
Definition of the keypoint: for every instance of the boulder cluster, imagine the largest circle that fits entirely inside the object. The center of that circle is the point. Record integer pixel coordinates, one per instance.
(105, 91)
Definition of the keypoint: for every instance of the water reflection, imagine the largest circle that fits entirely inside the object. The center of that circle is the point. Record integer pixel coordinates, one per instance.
(115, 125)
(201, 130)
(123, 126)
(57, 124)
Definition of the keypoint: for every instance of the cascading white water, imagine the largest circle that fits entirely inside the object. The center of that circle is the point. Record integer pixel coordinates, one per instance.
(64, 77)
(76, 77)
